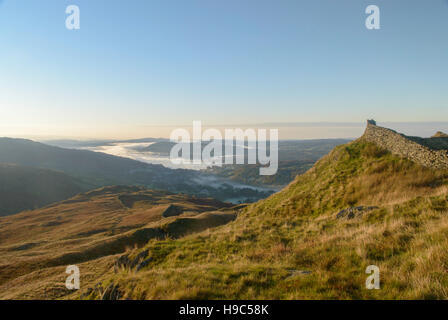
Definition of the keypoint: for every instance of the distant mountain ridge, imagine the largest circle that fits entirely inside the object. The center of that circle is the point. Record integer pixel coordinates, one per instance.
(295, 157)
(107, 169)
(95, 169)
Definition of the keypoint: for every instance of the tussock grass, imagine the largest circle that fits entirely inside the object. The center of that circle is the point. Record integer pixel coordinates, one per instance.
(288, 246)
(292, 246)
(88, 230)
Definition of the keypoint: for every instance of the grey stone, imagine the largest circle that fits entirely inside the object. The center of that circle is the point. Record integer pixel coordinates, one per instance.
(354, 212)
(429, 152)
(294, 273)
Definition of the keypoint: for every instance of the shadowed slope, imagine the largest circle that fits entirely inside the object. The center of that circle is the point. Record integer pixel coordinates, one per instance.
(23, 188)
(94, 167)
(99, 169)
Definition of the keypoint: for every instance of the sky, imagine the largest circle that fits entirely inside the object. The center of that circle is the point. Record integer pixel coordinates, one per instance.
(140, 68)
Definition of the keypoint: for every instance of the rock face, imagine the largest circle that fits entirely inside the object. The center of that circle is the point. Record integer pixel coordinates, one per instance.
(354, 212)
(427, 152)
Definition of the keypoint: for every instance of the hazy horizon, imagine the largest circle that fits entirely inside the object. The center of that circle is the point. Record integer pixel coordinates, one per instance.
(287, 131)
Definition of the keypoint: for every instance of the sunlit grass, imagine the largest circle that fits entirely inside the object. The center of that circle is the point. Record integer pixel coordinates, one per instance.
(292, 246)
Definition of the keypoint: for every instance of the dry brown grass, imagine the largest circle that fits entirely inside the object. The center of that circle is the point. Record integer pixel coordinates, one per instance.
(292, 245)
(36, 244)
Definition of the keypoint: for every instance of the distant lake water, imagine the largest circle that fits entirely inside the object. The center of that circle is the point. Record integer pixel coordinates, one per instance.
(133, 151)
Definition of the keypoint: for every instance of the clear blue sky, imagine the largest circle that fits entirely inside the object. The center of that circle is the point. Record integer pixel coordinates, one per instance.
(138, 63)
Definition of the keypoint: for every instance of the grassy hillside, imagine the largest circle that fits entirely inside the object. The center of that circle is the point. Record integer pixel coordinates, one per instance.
(293, 245)
(95, 225)
(23, 188)
(301, 243)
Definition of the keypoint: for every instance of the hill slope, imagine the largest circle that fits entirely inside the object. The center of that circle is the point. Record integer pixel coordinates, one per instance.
(310, 242)
(99, 169)
(358, 206)
(95, 225)
(21, 188)
(95, 167)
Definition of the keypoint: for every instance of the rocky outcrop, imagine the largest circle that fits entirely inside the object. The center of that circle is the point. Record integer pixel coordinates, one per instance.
(429, 152)
(354, 212)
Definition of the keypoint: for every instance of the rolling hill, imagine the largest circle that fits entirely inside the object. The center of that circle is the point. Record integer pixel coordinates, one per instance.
(359, 205)
(23, 188)
(96, 169)
(295, 157)
(92, 167)
(94, 225)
